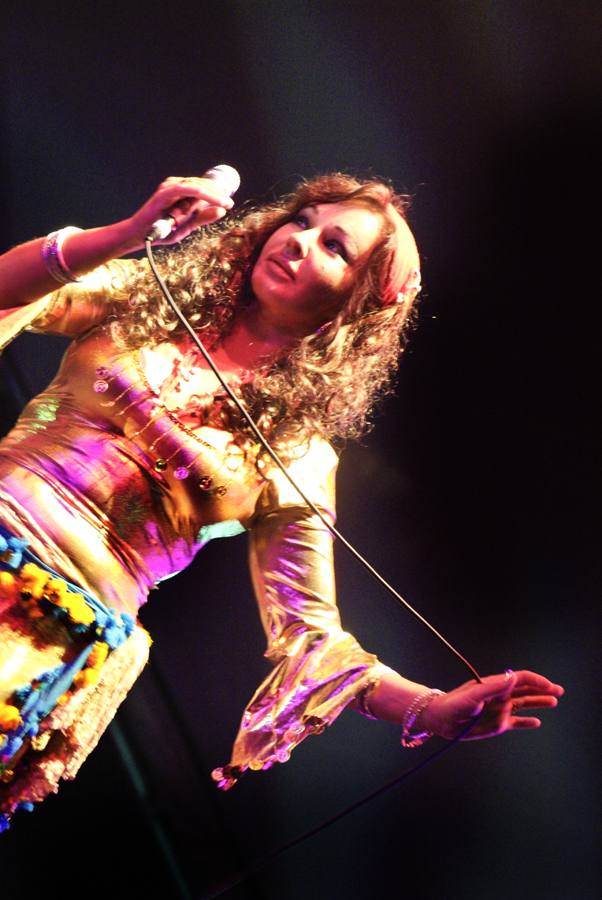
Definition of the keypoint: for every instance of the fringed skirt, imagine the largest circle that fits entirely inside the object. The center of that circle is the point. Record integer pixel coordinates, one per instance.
(66, 663)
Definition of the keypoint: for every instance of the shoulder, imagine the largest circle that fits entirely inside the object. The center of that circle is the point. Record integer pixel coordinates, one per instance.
(313, 468)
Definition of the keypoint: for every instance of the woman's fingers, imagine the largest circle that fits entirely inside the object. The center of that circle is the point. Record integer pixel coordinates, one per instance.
(185, 225)
(521, 723)
(526, 681)
(537, 702)
(197, 195)
(498, 699)
(191, 202)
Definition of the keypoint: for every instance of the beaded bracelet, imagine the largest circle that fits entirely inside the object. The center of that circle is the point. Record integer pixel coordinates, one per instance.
(417, 705)
(52, 254)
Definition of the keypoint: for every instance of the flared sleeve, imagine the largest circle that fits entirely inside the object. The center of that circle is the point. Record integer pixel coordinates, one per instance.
(318, 667)
(73, 309)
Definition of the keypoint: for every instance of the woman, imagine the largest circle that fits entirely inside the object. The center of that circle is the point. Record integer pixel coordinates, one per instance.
(134, 457)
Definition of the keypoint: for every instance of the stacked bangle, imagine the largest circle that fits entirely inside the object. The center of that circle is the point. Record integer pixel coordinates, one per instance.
(363, 704)
(52, 254)
(417, 705)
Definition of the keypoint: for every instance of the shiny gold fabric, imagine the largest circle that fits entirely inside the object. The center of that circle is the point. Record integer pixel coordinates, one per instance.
(69, 734)
(92, 477)
(318, 668)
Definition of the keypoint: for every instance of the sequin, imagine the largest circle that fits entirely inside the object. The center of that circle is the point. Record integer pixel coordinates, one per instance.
(206, 483)
(161, 465)
(181, 473)
(221, 490)
(283, 754)
(291, 735)
(102, 372)
(101, 386)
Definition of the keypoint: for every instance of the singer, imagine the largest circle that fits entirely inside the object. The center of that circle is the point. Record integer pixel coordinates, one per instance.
(134, 457)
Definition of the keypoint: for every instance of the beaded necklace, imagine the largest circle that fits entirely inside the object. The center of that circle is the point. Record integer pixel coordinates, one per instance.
(229, 460)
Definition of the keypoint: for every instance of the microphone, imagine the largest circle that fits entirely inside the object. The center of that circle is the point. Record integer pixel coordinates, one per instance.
(227, 178)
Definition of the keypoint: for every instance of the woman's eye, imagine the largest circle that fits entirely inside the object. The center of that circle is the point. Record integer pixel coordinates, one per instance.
(336, 247)
(302, 221)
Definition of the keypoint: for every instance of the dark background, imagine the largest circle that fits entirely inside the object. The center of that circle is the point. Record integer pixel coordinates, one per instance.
(477, 494)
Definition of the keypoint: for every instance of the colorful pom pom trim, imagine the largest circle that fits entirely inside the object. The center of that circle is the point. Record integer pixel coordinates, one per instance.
(41, 594)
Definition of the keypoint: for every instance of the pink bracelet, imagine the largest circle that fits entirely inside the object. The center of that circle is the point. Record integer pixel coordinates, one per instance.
(52, 254)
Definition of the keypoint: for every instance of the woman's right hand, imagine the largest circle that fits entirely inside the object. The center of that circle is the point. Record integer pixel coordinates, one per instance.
(185, 199)
(23, 273)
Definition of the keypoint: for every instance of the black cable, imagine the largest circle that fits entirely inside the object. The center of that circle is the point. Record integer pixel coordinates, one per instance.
(224, 886)
(376, 575)
(289, 845)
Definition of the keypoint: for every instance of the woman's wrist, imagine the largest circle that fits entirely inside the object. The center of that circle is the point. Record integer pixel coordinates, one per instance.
(417, 725)
(429, 718)
(86, 250)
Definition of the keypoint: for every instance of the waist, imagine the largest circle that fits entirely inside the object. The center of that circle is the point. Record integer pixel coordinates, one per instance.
(72, 537)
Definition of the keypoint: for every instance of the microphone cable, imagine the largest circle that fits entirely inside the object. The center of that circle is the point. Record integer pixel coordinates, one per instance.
(224, 886)
(260, 438)
(231, 882)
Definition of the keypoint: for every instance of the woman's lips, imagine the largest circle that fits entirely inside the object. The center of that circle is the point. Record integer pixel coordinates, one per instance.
(283, 265)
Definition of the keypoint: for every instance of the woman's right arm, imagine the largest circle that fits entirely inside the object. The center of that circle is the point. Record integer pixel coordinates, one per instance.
(24, 277)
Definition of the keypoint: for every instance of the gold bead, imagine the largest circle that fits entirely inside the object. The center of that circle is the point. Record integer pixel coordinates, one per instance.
(161, 465)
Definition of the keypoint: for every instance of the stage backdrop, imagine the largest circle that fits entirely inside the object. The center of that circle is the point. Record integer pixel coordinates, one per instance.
(476, 494)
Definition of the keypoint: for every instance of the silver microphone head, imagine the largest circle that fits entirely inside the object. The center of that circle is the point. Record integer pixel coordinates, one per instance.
(228, 178)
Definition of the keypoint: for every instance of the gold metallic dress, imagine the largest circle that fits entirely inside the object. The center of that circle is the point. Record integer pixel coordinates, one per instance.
(115, 489)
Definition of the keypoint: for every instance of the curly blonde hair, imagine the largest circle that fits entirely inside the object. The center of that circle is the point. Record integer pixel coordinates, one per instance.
(324, 384)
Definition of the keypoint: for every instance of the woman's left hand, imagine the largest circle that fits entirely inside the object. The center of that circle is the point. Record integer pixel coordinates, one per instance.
(503, 696)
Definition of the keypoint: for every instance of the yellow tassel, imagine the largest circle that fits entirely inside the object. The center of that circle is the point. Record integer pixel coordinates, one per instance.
(79, 611)
(56, 592)
(98, 655)
(85, 677)
(9, 586)
(33, 580)
(9, 717)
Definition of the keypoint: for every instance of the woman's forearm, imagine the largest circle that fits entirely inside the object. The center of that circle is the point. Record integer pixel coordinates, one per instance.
(25, 278)
(191, 202)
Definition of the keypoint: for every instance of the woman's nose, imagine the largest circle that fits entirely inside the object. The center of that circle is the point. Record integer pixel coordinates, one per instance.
(298, 243)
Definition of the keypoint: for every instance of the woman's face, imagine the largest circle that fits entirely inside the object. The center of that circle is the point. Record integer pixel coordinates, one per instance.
(307, 268)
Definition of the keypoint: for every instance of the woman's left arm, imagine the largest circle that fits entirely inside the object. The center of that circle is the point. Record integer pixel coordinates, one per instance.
(319, 669)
